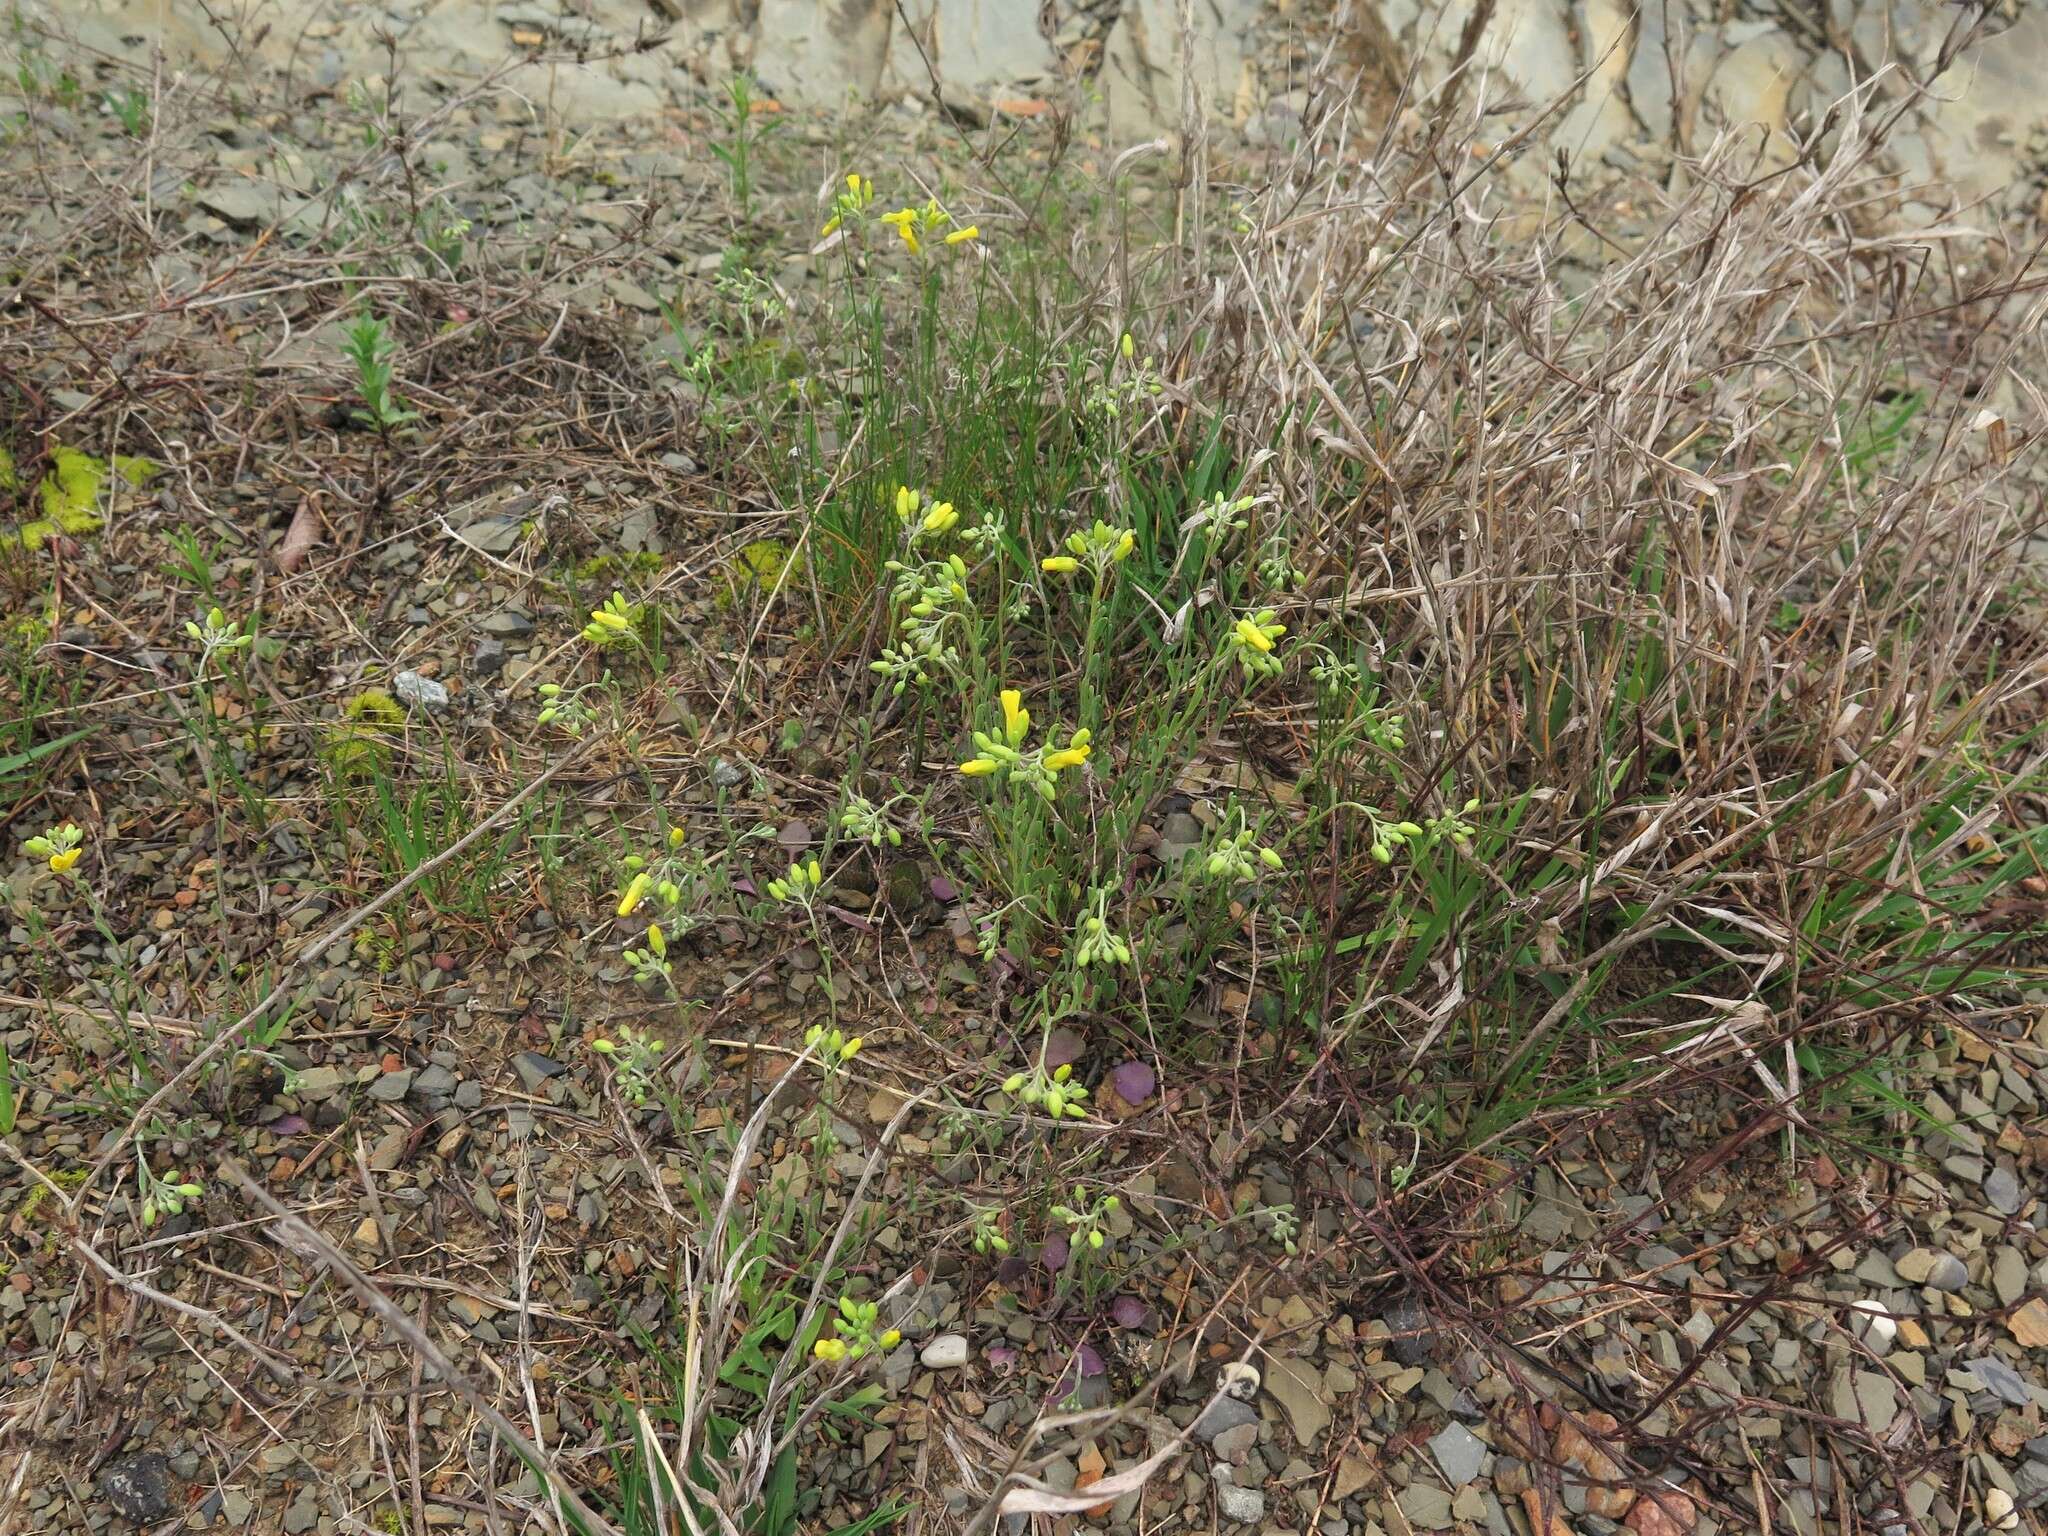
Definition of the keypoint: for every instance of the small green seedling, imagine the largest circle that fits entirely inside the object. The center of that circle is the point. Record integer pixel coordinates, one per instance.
(369, 346)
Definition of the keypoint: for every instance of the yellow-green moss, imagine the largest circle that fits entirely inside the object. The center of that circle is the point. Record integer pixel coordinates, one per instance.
(354, 746)
(611, 570)
(70, 493)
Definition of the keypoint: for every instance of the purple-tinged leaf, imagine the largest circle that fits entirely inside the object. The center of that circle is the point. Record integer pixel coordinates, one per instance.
(794, 834)
(745, 886)
(852, 919)
(1134, 1082)
(1086, 1363)
(1013, 1271)
(289, 1125)
(944, 890)
(1055, 1253)
(1002, 1356)
(1062, 1047)
(1129, 1312)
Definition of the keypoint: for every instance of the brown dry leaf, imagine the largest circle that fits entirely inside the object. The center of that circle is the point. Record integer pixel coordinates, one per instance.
(2029, 1325)
(1031, 1497)
(299, 538)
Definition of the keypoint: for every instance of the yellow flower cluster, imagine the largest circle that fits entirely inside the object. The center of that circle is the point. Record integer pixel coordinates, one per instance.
(849, 204)
(930, 516)
(617, 622)
(799, 884)
(1099, 548)
(921, 228)
(643, 884)
(1055, 1091)
(1004, 751)
(834, 1049)
(1252, 640)
(918, 227)
(857, 1335)
(61, 846)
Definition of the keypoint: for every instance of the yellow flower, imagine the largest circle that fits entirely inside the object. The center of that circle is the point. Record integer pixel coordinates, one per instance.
(676, 836)
(1016, 719)
(635, 893)
(61, 846)
(829, 1349)
(1253, 636)
(961, 236)
(655, 941)
(940, 517)
(1124, 545)
(850, 1049)
(830, 225)
(974, 767)
(609, 619)
(890, 1338)
(1059, 565)
(1072, 755)
(902, 221)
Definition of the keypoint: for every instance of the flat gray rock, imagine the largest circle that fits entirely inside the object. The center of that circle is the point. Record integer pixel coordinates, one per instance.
(2002, 1191)
(1427, 1507)
(1932, 1268)
(2001, 1379)
(1459, 1452)
(1224, 1414)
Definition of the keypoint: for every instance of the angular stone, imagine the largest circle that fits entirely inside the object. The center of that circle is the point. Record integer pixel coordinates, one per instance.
(2002, 1191)
(1226, 1413)
(1235, 1445)
(417, 692)
(1932, 1268)
(1297, 1387)
(1427, 1507)
(1459, 1452)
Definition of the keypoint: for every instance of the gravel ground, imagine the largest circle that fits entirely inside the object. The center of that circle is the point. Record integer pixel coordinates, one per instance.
(1695, 1320)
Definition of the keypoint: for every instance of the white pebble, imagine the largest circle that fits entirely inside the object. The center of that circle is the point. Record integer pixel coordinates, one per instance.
(1998, 1511)
(947, 1352)
(1241, 1380)
(1877, 1327)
